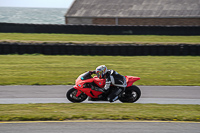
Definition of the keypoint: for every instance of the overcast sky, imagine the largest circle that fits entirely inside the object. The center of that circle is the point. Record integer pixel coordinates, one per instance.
(36, 3)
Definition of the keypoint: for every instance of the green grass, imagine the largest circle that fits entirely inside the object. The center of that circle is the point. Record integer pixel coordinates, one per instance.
(63, 70)
(75, 38)
(117, 111)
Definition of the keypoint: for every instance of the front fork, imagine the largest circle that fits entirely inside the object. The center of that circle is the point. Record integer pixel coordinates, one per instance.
(78, 91)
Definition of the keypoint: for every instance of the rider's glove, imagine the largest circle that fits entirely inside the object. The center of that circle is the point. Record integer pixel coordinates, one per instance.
(92, 72)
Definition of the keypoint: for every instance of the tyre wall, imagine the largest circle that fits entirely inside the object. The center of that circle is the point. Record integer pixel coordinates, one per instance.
(99, 29)
(111, 50)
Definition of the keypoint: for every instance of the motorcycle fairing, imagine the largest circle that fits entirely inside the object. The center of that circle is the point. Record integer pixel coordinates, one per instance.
(88, 91)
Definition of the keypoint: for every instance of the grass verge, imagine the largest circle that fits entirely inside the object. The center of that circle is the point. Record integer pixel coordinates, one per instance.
(96, 111)
(63, 70)
(100, 39)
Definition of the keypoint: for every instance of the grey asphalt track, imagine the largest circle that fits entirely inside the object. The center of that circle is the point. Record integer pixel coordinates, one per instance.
(56, 94)
(100, 127)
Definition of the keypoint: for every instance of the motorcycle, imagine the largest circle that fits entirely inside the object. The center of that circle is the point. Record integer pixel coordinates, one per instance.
(85, 87)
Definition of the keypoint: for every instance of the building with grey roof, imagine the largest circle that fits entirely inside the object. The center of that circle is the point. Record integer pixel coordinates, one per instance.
(134, 12)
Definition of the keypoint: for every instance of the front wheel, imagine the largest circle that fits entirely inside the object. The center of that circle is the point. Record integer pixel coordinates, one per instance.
(71, 96)
(130, 95)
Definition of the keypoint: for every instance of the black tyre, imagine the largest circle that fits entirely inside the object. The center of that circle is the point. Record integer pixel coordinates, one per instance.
(130, 95)
(71, 96)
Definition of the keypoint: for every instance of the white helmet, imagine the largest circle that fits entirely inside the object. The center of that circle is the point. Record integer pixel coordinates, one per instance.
(101, 71)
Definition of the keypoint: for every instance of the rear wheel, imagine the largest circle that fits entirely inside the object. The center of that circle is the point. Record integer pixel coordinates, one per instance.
(71, 96)
(130, 95)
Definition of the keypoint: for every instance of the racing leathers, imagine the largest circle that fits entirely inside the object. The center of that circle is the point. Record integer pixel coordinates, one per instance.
(118, 83)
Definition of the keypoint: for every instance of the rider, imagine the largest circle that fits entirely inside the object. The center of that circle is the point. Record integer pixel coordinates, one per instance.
(112, 78)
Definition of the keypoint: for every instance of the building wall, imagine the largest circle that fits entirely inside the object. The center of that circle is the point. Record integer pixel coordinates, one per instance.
(104, 21)
(160, 21)
(135, 21)
(78, 21)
